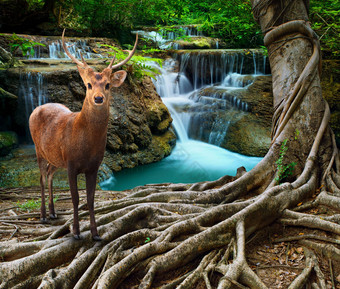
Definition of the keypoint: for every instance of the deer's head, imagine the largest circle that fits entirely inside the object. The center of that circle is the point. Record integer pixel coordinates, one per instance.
(98, 84)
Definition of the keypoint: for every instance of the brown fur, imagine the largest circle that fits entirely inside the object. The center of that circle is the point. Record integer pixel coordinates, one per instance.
(74, 140)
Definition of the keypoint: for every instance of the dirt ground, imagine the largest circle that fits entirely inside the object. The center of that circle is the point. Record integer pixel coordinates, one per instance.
(276, 262)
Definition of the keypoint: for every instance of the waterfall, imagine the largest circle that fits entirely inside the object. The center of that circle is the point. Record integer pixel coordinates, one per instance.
(208, 68)
(179, 31)
(56, 50)
(76, 48)
(164, 38)
(32, 93)
(202, 96)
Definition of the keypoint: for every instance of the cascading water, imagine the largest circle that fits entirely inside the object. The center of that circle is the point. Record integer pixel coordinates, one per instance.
(76, 48)
(56, 51)
(32, 93)
(190, 107)
(164, 38)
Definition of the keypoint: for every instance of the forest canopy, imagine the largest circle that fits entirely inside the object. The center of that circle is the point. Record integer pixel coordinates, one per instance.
(231, 21)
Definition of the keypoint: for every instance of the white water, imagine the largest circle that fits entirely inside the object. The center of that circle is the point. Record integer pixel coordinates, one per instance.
(32, 93)
(56, 51)
(164, 39)
(191, 160)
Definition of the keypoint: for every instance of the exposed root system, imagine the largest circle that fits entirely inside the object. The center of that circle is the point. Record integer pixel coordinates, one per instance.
(203, 228)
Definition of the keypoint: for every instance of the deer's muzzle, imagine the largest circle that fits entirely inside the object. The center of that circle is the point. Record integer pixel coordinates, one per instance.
(98, 99)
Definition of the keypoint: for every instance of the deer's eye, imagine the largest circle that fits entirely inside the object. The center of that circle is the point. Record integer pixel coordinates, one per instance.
(89, 86)
(107, 86)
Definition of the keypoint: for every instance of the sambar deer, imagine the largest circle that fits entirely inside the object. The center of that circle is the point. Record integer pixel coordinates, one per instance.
(76, 140)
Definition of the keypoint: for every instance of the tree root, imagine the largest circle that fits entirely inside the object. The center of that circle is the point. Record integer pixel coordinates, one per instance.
(156, 229)
(157, 233)
(163, 232)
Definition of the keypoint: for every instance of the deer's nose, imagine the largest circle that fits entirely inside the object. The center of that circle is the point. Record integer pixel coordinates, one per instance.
(98, 99)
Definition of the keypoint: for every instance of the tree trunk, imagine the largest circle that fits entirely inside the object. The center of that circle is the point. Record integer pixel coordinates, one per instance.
(289, 52)
(186, 236)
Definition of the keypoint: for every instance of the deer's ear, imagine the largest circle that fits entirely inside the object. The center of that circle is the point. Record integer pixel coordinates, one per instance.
(118, 78)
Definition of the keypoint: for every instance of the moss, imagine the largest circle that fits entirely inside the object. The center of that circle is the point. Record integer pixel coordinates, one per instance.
(164, 125)
(195, 43)
(165, 143)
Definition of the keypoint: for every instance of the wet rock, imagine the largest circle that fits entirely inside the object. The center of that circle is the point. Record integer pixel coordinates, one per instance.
(248, 136)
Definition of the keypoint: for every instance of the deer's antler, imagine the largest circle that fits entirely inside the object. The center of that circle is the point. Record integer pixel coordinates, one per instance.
(132, 52)
(75, 60)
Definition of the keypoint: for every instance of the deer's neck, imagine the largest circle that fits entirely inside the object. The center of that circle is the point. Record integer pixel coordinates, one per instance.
(94, 119)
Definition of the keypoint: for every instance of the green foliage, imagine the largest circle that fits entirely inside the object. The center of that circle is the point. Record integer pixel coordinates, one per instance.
(264, 49)
(29, 205)
(147, 240)
(35, 4)
(32, 205)
(26, 46)
(138, 64)
(325, 18)
(283, 171)
(231, 21)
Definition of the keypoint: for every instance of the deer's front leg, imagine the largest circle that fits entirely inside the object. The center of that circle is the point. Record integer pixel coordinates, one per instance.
(91, 179)
(72, 179)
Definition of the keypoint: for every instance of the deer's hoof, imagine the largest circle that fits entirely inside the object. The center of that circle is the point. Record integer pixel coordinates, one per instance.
(77, 237)
(96, 238)
(43, 220)
(53, 216)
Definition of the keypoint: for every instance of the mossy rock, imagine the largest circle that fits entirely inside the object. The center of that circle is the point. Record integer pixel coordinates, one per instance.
(196, 43)
(160, 147)
(8, 141)
(248, 136)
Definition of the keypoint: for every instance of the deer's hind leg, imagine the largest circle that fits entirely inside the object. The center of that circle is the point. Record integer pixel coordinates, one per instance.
(50, 172)
(42, 163)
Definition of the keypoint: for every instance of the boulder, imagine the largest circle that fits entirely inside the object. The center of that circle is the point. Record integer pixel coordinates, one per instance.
(6, 58)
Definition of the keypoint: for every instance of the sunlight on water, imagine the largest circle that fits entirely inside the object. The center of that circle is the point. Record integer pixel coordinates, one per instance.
(191, 161)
